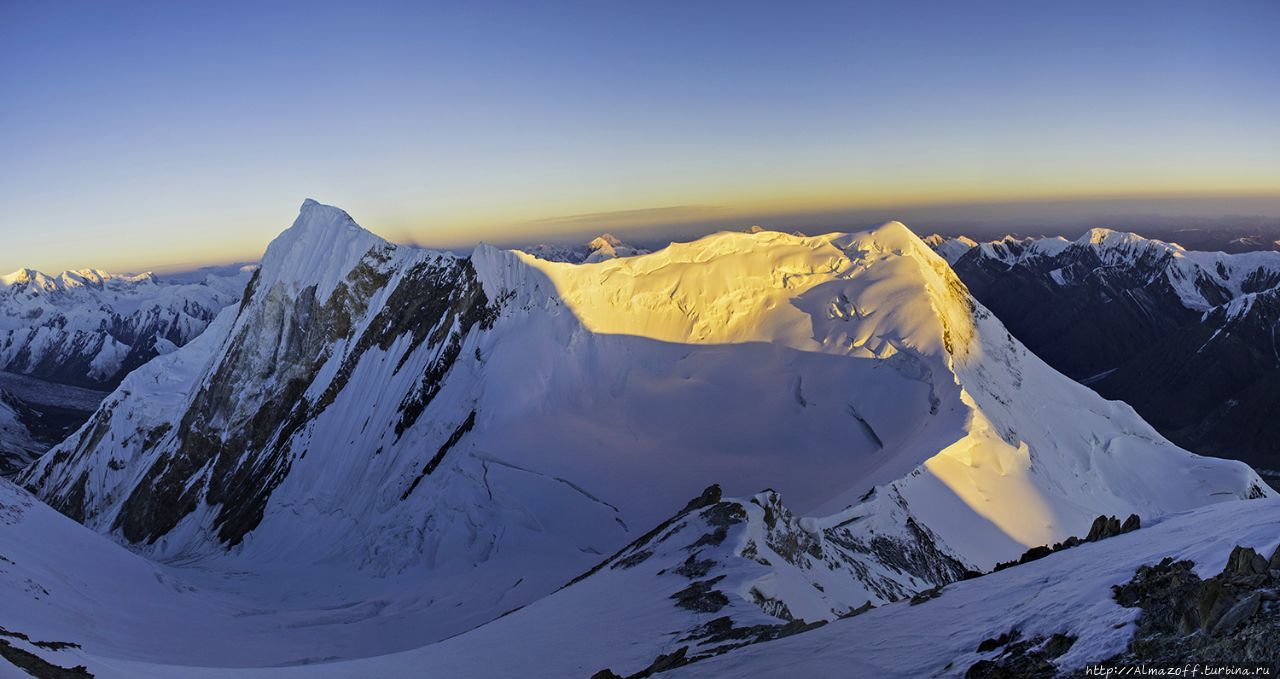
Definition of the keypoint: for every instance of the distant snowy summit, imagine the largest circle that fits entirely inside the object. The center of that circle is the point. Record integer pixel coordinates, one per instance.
(950, 248)
(602, 247)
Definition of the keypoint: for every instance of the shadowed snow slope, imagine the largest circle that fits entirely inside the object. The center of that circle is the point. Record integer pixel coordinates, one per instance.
(403, 444)
(17, 446)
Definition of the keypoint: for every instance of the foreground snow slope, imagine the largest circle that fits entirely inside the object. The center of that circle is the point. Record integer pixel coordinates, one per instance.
(623, 617)
(404, 444)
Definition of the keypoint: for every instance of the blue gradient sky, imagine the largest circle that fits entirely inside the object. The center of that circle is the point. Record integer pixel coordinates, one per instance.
(142, 134)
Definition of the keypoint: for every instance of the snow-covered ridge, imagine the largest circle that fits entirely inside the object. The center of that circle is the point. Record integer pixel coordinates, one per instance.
(34, 280)
(734, 287)
(1202, 280)
(950, 249)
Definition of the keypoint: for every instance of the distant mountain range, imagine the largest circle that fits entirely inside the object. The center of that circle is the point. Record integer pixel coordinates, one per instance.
(598, 249)
(64, 337)
(1190, 339)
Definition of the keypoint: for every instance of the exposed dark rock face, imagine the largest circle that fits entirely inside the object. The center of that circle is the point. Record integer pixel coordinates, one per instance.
(1102, 317)
(237, 440)
(1213, 386)
(33, 664)
(1209, 381)
(700, 597)
(925, 595)
(436, 459)
(1020, 659)
(1231, 617)
(641, 548)
(716, 637)
(919, 554)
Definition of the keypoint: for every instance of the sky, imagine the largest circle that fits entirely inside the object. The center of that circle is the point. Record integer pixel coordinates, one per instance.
(139, 135)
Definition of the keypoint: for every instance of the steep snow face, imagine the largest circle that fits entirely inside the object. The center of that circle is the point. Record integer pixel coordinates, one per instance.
(836, 363)
(89, 328)
(950, 249)
(999, 452)
(736, 288)
(693, 582)
(412, 426)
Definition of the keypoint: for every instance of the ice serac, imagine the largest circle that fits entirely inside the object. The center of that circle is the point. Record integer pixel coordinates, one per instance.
(418, 425)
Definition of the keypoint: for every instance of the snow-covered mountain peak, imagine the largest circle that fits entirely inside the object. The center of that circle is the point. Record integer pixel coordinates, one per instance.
(950, 249)
(836, 293)
(319, 249)
(1126, 242)
(35, 282)
(1201, 280)
(604, 240)
(602, 247)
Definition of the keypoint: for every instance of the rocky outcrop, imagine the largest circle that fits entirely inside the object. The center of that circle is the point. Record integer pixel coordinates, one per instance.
(1103, 527)
(1231, 617)
(12, 653)
(1017, 658)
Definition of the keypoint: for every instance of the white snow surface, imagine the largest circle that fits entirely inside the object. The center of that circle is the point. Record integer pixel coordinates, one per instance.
(1067, 592)
(950, 249)
(17, 446)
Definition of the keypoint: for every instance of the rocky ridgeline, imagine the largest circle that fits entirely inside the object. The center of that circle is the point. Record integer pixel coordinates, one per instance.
(1103, 527)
